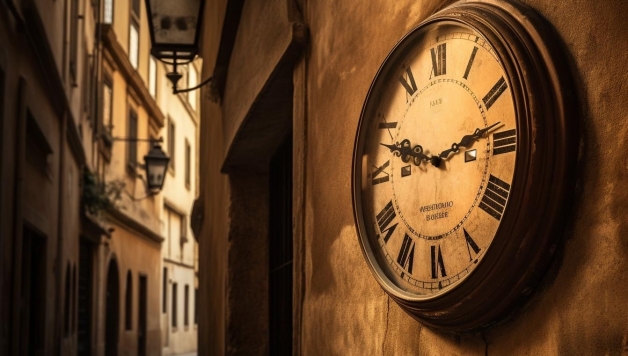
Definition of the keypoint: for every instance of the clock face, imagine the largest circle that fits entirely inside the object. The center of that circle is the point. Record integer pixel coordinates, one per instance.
(435, 159)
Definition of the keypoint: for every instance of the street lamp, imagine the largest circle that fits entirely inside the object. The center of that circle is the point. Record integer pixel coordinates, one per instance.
(156, 163)
(175, 28)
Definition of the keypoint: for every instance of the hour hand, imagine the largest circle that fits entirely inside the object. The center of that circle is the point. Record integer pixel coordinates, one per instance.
(467, 141)
(407, 153)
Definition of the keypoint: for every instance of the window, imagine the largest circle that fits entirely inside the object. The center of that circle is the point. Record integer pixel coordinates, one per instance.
(94, 4)
(128, 302)
(39, 149)
(183, 220)
(192, 82)
(107, 96)
(134, 44)
(188, 163)
(174, 305)
(108, 12)
(164, 302)
(87, 86)
(135, 7)
(134, 33)
(195, 306)
(152, 77)
(74, 18)
(171, 144)
(132, 145)
(186, 307)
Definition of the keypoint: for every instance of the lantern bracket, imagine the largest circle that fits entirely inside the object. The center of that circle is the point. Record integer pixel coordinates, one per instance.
(149, 193)
(175, 76)
(135, 139)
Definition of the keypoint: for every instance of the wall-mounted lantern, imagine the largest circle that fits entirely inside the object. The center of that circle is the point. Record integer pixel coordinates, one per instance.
(155, 166)
(175, 28)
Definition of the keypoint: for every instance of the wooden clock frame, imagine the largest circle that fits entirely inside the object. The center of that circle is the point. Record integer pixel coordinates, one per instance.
(544, 177)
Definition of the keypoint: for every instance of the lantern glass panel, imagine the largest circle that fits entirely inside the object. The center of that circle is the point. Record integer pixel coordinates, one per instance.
(175, 22)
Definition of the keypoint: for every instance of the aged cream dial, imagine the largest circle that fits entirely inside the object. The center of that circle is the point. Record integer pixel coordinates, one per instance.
(438, 159)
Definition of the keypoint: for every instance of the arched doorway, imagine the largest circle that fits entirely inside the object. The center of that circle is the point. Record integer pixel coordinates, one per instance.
(112, 309)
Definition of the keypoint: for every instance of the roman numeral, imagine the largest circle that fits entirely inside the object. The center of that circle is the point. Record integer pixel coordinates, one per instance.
(471, 245)
(505, 141)
(384, 218)
(410, 87)
(439, 60)
(406, 254)
(495, 92)
(495, 196)
(380, 170)
(387, 125)
(466, 72)
(437, 262)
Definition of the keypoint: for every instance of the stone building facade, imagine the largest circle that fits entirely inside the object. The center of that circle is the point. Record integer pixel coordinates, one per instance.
(179, 257)
(80, 237)
(289, 82)
(43, 76)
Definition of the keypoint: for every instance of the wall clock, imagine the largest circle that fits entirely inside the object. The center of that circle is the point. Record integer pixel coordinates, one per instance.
(463, 161)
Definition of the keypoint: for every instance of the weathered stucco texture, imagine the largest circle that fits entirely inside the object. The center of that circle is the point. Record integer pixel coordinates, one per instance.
(580, 307)
(257, 51)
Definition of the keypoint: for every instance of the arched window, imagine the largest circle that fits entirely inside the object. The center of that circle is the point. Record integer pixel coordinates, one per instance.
(128, 306)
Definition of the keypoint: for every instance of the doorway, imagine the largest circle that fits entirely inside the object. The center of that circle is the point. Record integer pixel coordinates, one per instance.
(33, 306)
(112, 309)
(141, 329)
(84, 332)
(280, 236)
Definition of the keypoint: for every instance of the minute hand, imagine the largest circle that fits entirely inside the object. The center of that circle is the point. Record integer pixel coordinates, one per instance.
(466, 141)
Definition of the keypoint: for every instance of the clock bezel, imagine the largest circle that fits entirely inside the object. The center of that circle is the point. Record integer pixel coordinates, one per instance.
(530, 226)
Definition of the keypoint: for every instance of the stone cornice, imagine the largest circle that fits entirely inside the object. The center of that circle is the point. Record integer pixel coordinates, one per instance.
(142, 230)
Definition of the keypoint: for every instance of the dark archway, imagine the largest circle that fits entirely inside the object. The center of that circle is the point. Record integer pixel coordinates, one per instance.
(112, 311)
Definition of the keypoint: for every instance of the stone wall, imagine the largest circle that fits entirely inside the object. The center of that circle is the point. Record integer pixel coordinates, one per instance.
(579, 307)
